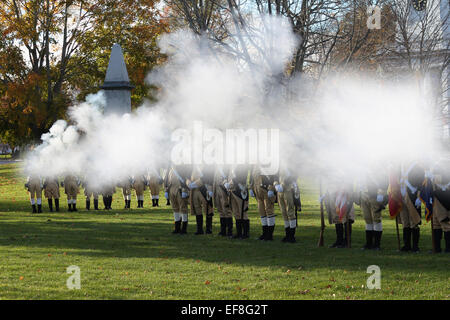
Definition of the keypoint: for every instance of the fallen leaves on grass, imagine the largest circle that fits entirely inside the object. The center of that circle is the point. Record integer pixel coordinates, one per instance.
(304, 291)
(21, 278)
(207, 282)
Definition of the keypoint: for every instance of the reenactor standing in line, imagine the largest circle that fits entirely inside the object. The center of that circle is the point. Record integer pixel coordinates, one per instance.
(90, 191)
(262, 188)
(34, 186)
(372, 200)
(107, 194)
(238, 190)
(200, 185)
(222, 201)
(51, 191)
(178, 192)
(166, 175)
(71, 184)
(139, 185)
(441, 204)
(412, 178)
(154, 181)
(126, 186)
(338, 201)
(289, 201)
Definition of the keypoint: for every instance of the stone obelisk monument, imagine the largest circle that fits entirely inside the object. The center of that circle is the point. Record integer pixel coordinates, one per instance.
(117, 84)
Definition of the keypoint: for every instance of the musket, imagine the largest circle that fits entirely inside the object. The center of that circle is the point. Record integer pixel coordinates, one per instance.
(398, 233)
(349, 242)
(322, 219)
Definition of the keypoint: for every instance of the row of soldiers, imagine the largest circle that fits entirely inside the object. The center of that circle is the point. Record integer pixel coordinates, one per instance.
(227, 189)
(404, 190)
(35, 185)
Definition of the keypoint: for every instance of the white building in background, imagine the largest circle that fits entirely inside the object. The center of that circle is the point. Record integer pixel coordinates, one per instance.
(423, 49)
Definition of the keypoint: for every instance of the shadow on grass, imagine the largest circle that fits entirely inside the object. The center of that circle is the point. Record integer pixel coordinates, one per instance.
(105, 234)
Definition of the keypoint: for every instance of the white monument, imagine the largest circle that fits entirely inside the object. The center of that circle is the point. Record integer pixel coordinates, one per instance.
(117, 84)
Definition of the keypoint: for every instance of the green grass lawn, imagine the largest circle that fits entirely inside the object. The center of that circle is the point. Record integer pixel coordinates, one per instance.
(133, 255)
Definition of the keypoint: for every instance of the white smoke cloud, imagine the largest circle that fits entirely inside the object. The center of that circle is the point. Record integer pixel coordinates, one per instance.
(347, 125)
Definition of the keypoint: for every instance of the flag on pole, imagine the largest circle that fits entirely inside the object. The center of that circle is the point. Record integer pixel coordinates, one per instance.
(341, 204)
(394, 195)
(426, 196)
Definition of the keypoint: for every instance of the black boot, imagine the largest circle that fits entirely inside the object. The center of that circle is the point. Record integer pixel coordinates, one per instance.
(437, 237)
(96, 204)
(377, 240)
(369, 240)
(88, 204)
(105, 202)
(70, 207)
(447, 241)
(339, 235)
(39, 208)
(110, 200)
(153, 202)
(238, 229)
(347, 243)
(287, 232)
(156, 202)
(269, 235)
(245, 229)
(184, 227)
(415, 239)
(126, 204)
(33, 206)
(406, 240)
(50, 204)
(199, 219)
(223, 227)
(57, 205)
(291, 238)
(177, 227)
(229, 224)
(208, 224)
(168, 202)
(264, 233)
(74, 207)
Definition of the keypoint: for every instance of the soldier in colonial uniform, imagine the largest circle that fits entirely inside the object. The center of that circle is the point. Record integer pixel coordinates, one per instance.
(239, 198)
(412, 178)
(51, 191)
(154, 181)
(263, 189)
(338, 200)
(200, 185)
(441, 204)
(288, 194)
(221, 199)
(108, 191)
(177, 191)
(34, 186)
(373, 200)
(139, 186)
(126, 186)
(90, 191)
(71, 187)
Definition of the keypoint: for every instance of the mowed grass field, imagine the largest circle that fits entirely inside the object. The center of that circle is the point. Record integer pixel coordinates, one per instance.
(133, 255)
